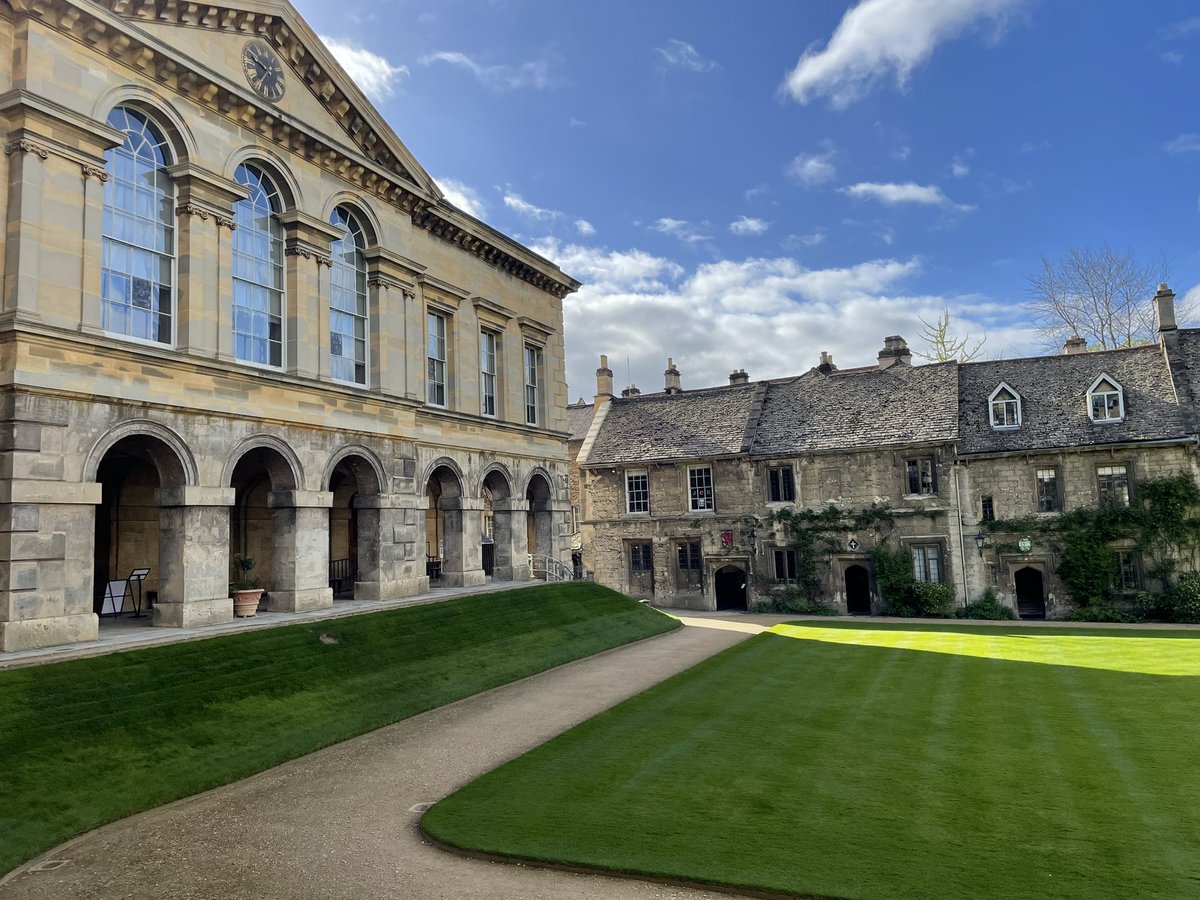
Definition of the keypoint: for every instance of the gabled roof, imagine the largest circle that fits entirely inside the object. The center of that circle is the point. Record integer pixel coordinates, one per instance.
(580, 415)
(660, 427)
(1054, 410)
(860, 408)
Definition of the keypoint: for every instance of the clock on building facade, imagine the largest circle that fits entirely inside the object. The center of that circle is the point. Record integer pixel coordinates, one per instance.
(263, 70)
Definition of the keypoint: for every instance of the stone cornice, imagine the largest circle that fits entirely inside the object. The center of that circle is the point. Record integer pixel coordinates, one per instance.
(378, 165)
(489, 309)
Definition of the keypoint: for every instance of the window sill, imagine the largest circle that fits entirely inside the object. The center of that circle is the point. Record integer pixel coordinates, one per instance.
(1107, 421)
(1016, 427)
(143, 342)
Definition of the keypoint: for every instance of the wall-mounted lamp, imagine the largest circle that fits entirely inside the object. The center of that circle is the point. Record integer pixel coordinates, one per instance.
(980, 537)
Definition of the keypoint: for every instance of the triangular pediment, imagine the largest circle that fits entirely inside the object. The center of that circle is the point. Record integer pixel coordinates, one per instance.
(319, 96)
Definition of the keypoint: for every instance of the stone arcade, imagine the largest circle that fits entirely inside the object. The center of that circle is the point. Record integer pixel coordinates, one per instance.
(239, 318)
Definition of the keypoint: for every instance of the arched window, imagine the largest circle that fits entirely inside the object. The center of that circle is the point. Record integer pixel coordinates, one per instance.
(258, 270)
(138, 248)
(348, 300)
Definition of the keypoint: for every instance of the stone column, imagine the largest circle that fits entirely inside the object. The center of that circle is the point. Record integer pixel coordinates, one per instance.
(204, 212)
(388, 564)
(306, 318)
(23, 238)
(194, 557)
(512, 562)
(300, 575)
(94, 179)
(462, 555)
(395, 328)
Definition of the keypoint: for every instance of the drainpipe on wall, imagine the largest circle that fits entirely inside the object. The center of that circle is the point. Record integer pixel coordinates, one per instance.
(962, 550)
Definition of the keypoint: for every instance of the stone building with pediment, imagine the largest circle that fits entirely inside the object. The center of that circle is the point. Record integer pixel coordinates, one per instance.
(678, 487)
(239, 318)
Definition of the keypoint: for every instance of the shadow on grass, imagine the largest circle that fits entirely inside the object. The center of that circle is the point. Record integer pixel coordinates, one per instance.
(851, 770)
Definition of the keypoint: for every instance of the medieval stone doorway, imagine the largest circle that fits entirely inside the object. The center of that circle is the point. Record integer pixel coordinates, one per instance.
(858, 590)
(1031, 595)
(729, 588)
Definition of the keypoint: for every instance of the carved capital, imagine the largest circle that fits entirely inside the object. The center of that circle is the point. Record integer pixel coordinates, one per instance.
(90, 171)
(191, 209)
(225, 222)
(24, 146)
(409, 293)
(309, 253)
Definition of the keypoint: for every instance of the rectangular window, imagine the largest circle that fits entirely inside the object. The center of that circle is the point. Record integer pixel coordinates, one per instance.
(1127, 570)
(487, 373)
(785, 565)
(988, 509)
(641, 558)
(927, 562)
(700, 488)
(919, 476)
(1113, 483)
(782, 484)
(637, 492)
(1047, 490)
(687, 573)
(436, 353)
(533, 381)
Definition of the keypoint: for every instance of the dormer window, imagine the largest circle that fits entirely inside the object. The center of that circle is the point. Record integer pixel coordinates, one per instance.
(1106, 400)
(1005, 407)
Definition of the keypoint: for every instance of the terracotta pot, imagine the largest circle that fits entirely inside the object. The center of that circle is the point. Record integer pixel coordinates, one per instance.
(245, 603)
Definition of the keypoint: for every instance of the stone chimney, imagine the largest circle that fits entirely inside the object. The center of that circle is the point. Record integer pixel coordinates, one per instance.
(1075, 344)
(1164, 309)
(671, 377)
(631, 391)
(604, 382)
(739, 376)
(895, 350)
(826, 365)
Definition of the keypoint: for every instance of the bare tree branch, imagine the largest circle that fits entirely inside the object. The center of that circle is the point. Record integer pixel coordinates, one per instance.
(944, 346)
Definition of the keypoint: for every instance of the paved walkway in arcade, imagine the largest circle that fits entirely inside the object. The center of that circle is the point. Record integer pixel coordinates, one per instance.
(341, 824)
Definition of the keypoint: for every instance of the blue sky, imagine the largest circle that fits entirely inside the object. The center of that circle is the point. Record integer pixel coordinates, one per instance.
(744, 185)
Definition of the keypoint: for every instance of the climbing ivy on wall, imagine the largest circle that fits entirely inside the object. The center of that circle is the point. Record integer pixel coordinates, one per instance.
(814, 536)
(1161, 522)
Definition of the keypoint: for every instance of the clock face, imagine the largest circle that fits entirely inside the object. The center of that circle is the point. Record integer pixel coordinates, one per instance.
(263, 70)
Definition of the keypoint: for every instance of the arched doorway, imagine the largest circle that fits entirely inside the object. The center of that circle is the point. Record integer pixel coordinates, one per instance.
(497, 527)
(729, 587)
(1031, 594)
(130, 526)
(539, 524)
(354, 558)
(858, 590)
(450, 560)
(288, 543)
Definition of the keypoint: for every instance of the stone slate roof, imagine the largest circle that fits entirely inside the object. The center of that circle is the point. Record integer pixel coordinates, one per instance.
(1185, 369)
(858, 408)
(1053, 391)
(580, 419)
(690, 425)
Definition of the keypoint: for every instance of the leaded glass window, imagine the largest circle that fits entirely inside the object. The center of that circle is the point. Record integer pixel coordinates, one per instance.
(138, 245)
(258, 270)
(348, 300)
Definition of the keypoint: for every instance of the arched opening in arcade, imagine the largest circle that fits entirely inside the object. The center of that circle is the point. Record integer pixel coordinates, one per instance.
(353, 526)
(443, 526)
(539, 521)
(260, 526)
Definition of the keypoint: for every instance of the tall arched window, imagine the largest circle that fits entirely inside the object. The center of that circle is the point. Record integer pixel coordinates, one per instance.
(258, 270)
(138, 247)
(348, 300)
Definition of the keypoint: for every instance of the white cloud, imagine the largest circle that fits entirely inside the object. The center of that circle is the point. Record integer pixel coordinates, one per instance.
(908, 192)
(536, 74)
(462, 196)
(521, 206)
(576, 123)
(584, 227)
(682, 229)
(1181, 30)
(1033, 146)
(880, 37)
(745, 225)
(1185, 143)
(759, 190)
(812, 169)
(682, 55)
(771, 316)
(373, 73)
(959, 169)
(1174, 57)
(812, 239)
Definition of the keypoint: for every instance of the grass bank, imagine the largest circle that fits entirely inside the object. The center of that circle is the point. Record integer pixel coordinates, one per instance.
(894, 761)
(93, 740)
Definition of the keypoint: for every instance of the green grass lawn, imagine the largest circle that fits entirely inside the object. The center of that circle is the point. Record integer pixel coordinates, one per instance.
(89, 741)
(842, 760)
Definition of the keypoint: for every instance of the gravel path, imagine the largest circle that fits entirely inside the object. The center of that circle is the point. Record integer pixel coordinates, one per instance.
(342, 823)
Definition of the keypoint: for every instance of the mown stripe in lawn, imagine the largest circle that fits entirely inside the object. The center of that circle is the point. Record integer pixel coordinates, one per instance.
(911, 762)
(89, 741)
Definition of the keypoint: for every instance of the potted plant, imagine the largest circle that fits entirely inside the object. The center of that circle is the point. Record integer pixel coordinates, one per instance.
(246, 591)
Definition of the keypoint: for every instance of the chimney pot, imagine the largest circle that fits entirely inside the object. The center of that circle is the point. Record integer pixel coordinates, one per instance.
(739, 376)
(895, 350)
(604, 382)
(631, 391)
(826, 365)
(671, 378)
